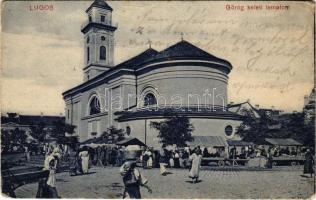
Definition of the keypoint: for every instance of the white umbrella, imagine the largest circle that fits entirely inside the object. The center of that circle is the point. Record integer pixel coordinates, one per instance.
(133, 148)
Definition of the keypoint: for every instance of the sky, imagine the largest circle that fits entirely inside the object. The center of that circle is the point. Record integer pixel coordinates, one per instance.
(271, 50)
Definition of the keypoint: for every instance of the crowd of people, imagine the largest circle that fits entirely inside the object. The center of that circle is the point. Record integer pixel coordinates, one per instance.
(271, 151)
(133, 179)
(82, 158)
(173, 157)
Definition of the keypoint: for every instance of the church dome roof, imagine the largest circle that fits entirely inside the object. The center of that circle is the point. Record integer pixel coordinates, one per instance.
(134, 61)
(100, 4)
(186, 50)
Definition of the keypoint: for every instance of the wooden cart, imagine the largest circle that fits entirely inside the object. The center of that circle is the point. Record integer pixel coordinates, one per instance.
(218, 160)
(288, 160)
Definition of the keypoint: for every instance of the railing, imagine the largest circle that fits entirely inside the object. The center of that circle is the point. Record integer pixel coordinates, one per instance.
(103, 23)
(183, 107)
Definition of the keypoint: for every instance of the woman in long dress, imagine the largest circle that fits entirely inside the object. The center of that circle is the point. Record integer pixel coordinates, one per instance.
(73, 154)
(176, 159)
(48, 189)
(150, 158)
(84, 155)
(308, 165)
(195, 167)
(163, 161)
(171, 159)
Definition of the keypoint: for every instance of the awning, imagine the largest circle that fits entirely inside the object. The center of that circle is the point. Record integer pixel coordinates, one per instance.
(90, 141)
(283, 142)
(239, 143)
(95, 145)
(130, 141)
(96, 142)
(208, 141)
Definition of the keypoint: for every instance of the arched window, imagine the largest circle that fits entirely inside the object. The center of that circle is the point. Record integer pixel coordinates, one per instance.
(150, 99)
(88, 54)
(128, 130)
(102, 53)
(94, 107)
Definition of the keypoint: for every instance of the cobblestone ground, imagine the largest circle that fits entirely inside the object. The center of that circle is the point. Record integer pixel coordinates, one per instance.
(107, 183)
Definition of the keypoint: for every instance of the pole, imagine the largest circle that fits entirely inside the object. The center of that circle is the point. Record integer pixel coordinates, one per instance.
(72, 107)
(145, 131)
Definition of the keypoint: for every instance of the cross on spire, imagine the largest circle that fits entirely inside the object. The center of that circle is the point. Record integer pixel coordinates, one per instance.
(149, 42)
(181, 36)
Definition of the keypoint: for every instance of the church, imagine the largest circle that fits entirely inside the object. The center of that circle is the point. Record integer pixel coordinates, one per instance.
(151, 86)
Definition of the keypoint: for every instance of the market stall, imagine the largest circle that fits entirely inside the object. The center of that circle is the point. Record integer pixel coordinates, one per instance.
(239, 151)
(133, 148)
(216, 149)
(285, 151)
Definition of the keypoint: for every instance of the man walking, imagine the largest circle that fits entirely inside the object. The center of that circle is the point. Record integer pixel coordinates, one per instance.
(309, 162)
(132, 179)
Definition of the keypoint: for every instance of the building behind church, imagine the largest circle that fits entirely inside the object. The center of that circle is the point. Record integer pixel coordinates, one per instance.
(12, 121)
(179, 80)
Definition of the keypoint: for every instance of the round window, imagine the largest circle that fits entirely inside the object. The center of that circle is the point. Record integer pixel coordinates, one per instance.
(128, 130)
(102, 38)
(229, 130)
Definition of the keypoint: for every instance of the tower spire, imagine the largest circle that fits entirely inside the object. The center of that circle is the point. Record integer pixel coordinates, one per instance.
(100, 4)
(99, 43)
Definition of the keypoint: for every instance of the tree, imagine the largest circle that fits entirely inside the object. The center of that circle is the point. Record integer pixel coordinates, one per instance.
(5, 141)
(18, 136)
(174, 130)
(254, 129)
(12, 138)
(299, 130)
(59, 131)
(39, 132)
(292, 126)
(113, 135)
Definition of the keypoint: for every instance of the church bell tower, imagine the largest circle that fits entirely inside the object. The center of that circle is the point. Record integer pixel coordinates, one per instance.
(98, 39)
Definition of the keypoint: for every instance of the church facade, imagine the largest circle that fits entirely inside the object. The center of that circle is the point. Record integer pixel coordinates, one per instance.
(179, 80)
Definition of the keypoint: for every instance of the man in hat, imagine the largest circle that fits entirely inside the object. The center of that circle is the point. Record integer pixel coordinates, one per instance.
(132, 179)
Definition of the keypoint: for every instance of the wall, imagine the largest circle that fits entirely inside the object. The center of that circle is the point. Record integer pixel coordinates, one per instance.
(107, 94)
(203, 127)
(188, 82)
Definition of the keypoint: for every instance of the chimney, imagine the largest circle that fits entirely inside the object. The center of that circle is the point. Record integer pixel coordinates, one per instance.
(257, 106)
(231, 103)
(272, 107)
(12, 115)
